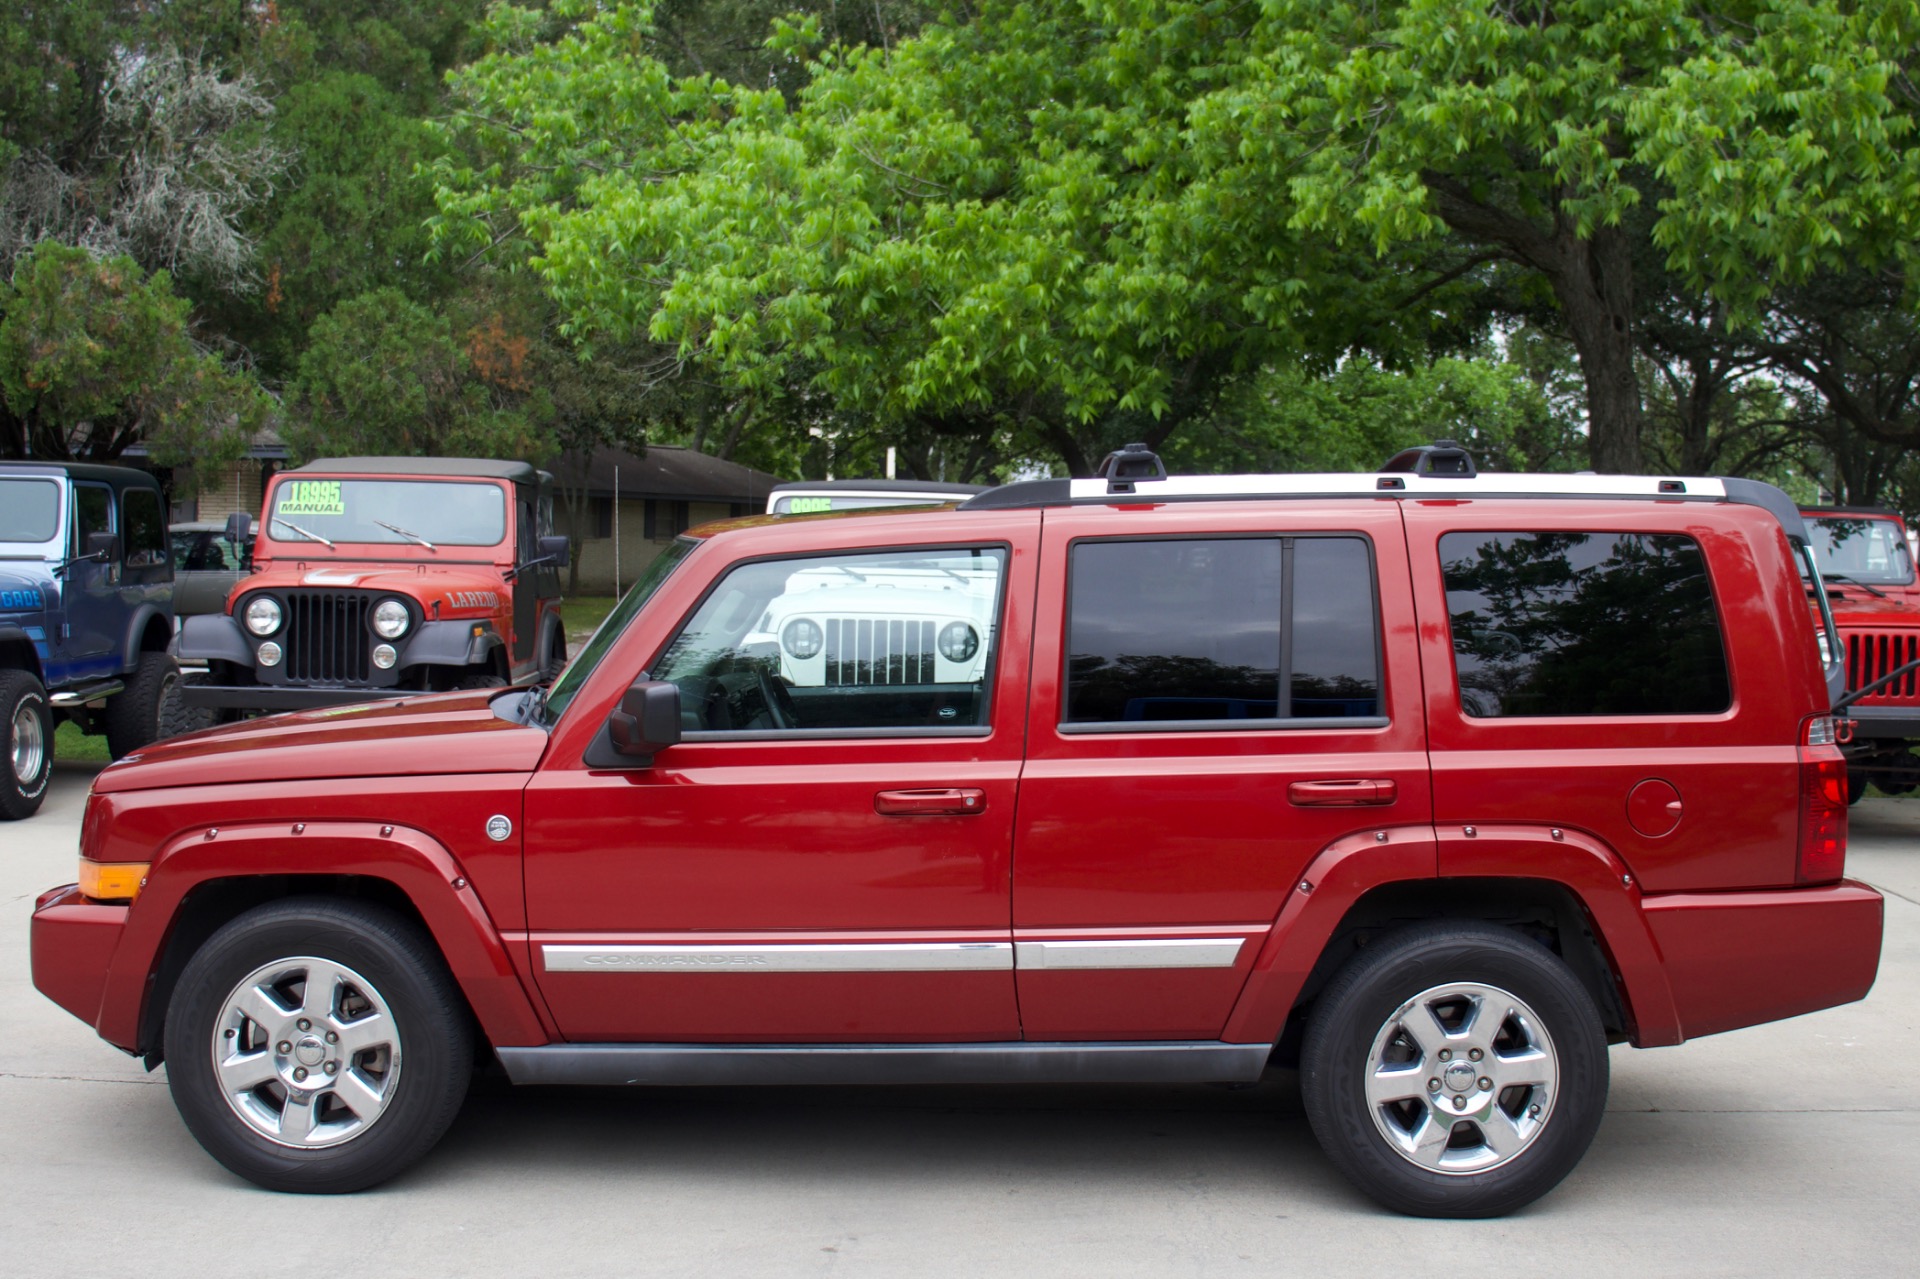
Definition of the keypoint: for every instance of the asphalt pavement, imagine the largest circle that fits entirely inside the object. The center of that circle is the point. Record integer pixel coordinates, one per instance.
(1789, 1149)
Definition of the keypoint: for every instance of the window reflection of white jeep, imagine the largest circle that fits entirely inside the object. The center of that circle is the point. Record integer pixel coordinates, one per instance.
(836, 628)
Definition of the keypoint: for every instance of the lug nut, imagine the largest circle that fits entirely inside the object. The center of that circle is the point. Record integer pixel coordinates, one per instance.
(1446, 1054)
(299, 1072)
(304, 1024)
(1475, 1054)
(332, 1037)
(283, 1047)
(1486, 1085)
(1459, 1103)
(1433, 1085)
(332, 1066)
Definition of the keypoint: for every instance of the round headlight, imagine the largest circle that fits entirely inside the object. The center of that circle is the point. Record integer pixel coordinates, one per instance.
(801, 638)
(958, 642)
(269, 654)
(390, 619)
(384, 657)
(263, 615)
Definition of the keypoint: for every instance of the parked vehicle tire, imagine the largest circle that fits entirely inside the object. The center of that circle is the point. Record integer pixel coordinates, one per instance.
(1455, 1069)
(480, 681)
(1856, 785)
(134, 714)
(29, 744)
(317, 1045)
(176, 717)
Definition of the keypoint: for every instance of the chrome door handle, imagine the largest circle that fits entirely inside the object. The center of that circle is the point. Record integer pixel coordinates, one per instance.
(1351, 792)
(946, 800)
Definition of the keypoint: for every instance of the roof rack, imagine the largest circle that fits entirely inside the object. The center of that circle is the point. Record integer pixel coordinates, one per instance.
(1439, 470)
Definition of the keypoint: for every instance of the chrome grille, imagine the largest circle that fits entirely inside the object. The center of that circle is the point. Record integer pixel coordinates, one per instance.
(1873, 654)
(863, 651)
(326, 637)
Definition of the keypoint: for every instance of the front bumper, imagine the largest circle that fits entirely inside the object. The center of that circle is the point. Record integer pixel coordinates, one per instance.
(1743, 958)
(267, 697)
(73, 941)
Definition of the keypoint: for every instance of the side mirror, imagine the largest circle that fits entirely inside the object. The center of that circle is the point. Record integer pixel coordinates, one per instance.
(555, 550)
(104, 547)
(239, 528)
(647, 720)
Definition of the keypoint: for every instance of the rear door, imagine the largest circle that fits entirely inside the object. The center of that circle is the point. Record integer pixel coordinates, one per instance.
(1221, 691)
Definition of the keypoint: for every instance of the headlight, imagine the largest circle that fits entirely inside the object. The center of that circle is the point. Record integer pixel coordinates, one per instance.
(801, 638)
(390, 618)
(958, 642)
(263, 615)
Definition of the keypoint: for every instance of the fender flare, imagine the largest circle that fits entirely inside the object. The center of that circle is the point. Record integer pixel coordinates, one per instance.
(410, 860)
(15, 638)
(551, 629)
(136, 629)
(1349, 868)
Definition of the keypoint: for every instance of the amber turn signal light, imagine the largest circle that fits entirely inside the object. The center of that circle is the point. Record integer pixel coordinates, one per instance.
(112, 881)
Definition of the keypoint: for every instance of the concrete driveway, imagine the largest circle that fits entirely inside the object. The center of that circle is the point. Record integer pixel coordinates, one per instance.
(1789, 1149)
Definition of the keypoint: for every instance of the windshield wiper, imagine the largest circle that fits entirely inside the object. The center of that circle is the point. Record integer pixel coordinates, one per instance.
(306, 533)
(411, 537)
(1842, 577)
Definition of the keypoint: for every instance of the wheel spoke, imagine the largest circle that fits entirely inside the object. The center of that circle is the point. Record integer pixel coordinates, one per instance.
(297, 1117)
(361, 1095)
(1427, 1145)
(1527, 1067)
(362, 1033)
(244, 1072)
(1424, 1028)
(1405, 1083)
(259, 1004)
(322, 992)
(1498, 1132)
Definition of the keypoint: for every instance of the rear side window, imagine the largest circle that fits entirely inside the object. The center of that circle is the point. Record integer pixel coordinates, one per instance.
(1583, 624)
(1203, 631)
(145, 535)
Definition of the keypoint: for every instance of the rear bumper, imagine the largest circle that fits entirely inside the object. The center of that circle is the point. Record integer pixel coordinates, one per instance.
(1739, 959)
(73, 941)
(1879, 722)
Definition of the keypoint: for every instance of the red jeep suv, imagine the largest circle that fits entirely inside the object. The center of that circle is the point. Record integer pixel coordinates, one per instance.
(1433, 784)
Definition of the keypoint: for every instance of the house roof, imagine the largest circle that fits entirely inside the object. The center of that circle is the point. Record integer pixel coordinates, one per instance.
(666, 472)
(465, 467)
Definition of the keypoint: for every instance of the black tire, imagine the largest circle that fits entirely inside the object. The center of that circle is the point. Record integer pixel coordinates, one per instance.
(480, 681)
(556, 657)
(1856, 785)
(26, 764)
(178, 718)
(430, 1056)
(1361, 1020)
(133, 714)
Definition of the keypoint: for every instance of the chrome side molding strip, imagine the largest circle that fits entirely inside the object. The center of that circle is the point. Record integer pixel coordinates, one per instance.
(862, 957)
(1145, 952)
(1201, 1061)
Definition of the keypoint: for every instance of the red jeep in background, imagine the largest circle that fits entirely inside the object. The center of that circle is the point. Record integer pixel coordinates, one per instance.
(385, 576)
(1432, 784)
(1867, 570)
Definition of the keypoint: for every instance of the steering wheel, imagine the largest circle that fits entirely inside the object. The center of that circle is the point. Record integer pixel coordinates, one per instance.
(778, 701)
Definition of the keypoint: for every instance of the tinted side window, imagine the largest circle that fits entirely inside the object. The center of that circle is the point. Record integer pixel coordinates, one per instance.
(1583, 624)
(145, 538)
(896, 641)
(92, 513)
(1226, 629)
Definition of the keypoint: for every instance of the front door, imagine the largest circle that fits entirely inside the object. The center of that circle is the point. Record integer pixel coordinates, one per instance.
(824, 857)
(95, 615)
(1226, 705)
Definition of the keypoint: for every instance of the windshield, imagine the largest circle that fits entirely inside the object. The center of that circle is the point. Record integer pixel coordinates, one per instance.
(1862, 549)
(811, 503)
(29, 510)
(581, 667)
(402, 512)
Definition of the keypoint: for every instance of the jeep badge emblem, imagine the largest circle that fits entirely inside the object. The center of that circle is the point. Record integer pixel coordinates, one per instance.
(498, 827)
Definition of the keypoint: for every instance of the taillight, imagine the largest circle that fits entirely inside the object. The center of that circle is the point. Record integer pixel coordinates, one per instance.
(1823, 805)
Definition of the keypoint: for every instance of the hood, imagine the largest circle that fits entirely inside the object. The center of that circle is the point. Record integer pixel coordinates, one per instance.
(432, 734)
(1856, 607)
(456, 588)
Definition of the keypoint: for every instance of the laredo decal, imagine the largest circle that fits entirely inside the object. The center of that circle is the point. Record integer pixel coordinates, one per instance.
(310, 497)
(473, 599)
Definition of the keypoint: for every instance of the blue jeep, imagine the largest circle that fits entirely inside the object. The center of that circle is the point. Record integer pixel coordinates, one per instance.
(86, 611)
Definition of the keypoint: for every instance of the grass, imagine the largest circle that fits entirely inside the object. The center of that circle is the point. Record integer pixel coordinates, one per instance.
(70, 743)
(580, 614)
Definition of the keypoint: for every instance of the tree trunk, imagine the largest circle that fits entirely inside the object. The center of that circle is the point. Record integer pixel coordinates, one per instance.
(1594, 287)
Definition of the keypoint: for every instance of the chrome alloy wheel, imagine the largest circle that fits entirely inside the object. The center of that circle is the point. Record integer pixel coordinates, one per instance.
(1462, 1078)
(306, 1052)
(29, 743)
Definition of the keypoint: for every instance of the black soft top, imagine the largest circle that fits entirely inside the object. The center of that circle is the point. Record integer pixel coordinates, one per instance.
(121, 477)
(466, 468)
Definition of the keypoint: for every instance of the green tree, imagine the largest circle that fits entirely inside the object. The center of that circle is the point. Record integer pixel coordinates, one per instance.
(96, 355)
